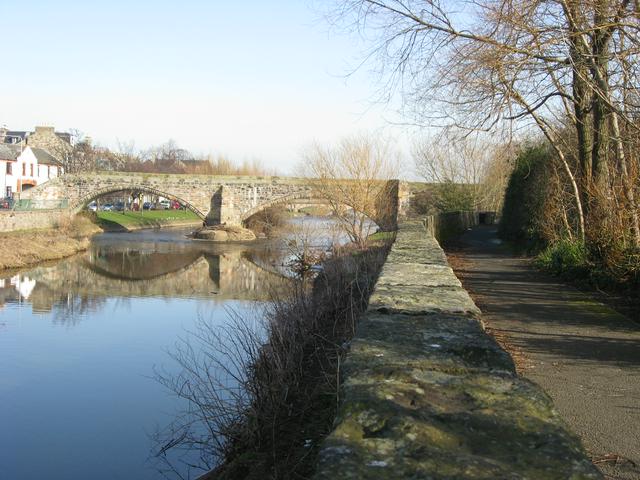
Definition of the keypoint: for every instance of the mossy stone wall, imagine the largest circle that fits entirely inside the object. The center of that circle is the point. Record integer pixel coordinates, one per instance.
(428, 394)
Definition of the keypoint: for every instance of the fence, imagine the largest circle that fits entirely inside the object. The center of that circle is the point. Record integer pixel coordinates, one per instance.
(28, 205)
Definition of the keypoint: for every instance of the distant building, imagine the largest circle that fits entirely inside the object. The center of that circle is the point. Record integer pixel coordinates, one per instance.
(59, 144)
(24, 168)
(28, 159)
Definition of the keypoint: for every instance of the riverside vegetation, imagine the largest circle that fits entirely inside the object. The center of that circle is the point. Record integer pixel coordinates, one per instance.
(538, 214)
(262, 397)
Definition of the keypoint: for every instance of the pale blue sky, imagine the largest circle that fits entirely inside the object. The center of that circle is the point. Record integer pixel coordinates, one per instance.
(250, 79)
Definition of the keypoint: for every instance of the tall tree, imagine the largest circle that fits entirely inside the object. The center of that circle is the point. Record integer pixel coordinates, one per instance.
(485, 63)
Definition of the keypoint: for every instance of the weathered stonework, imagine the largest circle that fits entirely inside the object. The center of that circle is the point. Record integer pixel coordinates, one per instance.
(26, 220)
(427, 394)
(46, 138)
(216, 199)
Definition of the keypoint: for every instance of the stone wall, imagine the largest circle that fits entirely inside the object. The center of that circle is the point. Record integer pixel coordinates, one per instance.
(427, 394)
(26, 220)
(444, 226)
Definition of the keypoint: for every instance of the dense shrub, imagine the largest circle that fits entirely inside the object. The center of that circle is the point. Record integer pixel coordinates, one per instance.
(267, 221)
(566, 258)
(455, 197)
(524, 201)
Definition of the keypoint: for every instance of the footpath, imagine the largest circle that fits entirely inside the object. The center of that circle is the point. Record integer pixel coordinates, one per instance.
(582, 353)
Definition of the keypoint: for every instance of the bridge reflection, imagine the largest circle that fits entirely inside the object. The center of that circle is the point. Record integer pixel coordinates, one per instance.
(166, 269)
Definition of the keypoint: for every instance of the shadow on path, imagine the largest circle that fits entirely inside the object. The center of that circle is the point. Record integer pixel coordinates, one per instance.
(583, 353)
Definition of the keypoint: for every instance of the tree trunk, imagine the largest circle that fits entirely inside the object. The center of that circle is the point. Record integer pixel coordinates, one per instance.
(628, 185)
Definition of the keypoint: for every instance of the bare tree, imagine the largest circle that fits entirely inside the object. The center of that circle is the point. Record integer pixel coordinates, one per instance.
(471, 171)
(520, 63)
(350, 177)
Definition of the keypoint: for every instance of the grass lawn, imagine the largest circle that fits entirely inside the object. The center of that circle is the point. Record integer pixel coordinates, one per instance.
(381, 236)
(146, 218)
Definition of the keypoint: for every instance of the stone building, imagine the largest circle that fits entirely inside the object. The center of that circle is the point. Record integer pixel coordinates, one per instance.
(59, 144)
(21, 169)
(28, 159)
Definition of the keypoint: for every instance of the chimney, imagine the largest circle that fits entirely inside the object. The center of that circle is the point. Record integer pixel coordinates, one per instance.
(42, 129)
(3, 133)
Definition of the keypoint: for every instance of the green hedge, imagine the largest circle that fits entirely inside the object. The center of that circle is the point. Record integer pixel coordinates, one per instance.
(524, 197)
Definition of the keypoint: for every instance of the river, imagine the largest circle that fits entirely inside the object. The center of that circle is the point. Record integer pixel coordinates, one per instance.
(80, 340)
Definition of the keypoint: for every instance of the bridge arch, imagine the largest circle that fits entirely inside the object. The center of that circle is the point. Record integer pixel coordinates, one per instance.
(279, 201)
(290, 198)
(95, 194)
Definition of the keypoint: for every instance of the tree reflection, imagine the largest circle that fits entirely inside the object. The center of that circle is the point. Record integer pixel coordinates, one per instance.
(112, 270)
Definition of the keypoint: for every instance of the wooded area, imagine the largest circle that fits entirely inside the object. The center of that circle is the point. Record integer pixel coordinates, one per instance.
(558, 77)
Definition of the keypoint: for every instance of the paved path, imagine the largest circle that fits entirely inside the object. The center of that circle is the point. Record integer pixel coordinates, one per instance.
(583, 354)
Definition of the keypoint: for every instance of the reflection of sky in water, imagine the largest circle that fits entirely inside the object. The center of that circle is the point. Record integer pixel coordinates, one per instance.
(81, 399)
(79, 341)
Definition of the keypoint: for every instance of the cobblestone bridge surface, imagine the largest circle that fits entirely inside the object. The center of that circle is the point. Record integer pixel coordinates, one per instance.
(427, 394)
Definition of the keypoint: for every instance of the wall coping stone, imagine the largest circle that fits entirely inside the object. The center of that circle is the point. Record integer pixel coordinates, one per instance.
(428, 394)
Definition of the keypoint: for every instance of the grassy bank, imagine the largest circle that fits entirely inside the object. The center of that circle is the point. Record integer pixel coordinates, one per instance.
(576, 263)
(146, 219)
(29, 247)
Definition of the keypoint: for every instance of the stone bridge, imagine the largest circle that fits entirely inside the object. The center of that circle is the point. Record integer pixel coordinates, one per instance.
(216, 199)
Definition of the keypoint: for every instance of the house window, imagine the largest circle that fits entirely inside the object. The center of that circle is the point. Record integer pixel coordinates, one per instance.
(8, 168)
(24, 169)
(48, 171)
(32, 169)
(9, 192)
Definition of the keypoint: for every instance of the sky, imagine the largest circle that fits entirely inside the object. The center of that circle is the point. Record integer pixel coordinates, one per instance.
(251, 80)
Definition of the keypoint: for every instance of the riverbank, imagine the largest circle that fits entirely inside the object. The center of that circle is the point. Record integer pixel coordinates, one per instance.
(129, 221)
(24, 248)
(29, 247)
(291, 381)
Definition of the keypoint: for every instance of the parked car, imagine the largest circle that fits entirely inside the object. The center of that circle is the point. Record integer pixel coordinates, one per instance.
(147, 206)
(93, 206)
(107, 207)
(119, 207)
(6, 203)
(175, 205)
(164, 204)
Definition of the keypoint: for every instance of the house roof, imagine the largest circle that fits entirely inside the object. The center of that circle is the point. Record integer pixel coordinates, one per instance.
(44, 157)
(64, 136)
(16, 136)
(7, 152)
(12, 136)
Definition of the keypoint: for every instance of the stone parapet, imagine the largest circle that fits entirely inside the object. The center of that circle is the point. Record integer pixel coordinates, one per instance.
(428, 394)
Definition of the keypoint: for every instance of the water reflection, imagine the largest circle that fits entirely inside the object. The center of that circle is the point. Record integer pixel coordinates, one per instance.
(79, 340)
(135, 265)
(82, 398)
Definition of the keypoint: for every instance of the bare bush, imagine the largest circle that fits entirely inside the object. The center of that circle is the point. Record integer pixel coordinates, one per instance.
(261, 397)
(351, 177)
(267, 222)
(471, 172)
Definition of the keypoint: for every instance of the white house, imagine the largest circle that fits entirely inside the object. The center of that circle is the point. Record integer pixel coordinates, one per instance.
(24, 168)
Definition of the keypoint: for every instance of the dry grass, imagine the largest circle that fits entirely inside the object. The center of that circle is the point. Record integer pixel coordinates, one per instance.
(29, 247)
